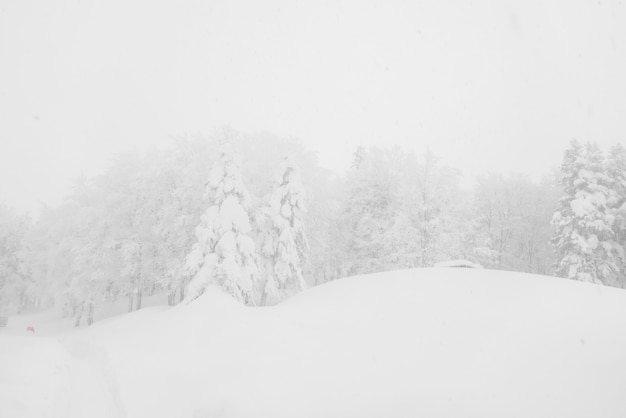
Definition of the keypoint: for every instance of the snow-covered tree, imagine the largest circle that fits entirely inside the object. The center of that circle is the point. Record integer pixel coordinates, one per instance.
(16, 286)
(584, 242)
(259, 151)
(532, 248)
(431, 195)
(616, 170)
(94, 269)
(48, 253)
(285, 243)
(399, 212)
(495, 199)
(367, 213)
(378, 234)
(511, 223)
(224, 253)
(181, 179)
(127, 192)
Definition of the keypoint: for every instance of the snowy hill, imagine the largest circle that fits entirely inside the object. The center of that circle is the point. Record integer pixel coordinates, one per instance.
(427, 342)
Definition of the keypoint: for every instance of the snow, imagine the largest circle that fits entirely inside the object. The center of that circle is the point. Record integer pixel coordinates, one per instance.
(458, 263)
(203, 276)
(425, 342)
(233, 216)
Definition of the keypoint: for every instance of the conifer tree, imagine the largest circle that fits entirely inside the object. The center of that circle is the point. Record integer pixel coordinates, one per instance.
(616, 170)
(584, 242)
(224, 253)
(285, 243)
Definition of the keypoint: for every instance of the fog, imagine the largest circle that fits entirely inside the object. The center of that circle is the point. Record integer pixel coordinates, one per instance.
(487, 86)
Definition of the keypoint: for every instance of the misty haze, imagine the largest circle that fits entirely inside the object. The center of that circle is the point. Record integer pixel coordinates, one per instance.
(323, 209)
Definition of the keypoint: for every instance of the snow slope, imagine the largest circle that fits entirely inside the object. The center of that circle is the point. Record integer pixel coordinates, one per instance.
(427, 342)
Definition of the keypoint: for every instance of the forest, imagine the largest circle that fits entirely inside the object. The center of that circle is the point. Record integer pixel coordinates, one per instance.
(257, 215)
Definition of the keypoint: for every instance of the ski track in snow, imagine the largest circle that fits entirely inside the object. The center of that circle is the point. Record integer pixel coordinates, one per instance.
(96, 391)
(48, 377)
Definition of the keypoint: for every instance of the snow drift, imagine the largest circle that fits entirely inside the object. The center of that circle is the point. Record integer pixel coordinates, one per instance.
(426, 342)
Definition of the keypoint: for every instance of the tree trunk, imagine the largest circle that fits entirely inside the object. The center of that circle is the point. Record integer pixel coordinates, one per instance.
(140, 281)
(90, 314)
(182, 294)
(79, 314)
(130, 302)
(139, 296)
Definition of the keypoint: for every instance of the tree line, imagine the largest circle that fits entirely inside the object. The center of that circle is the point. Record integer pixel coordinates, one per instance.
(257, 215)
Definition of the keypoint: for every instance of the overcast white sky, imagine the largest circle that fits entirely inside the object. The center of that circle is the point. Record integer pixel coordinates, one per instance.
(493, 86)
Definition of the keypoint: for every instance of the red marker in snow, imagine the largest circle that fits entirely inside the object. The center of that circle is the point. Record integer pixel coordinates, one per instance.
(31, 329)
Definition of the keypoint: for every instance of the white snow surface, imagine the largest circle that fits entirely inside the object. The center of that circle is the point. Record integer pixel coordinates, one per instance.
(425, 342)
(458, 263)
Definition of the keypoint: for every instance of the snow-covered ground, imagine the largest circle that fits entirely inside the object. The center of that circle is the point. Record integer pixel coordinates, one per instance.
(427, 342)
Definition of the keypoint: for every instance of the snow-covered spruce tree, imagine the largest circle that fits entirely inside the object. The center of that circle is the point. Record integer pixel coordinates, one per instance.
(616, 170)
(584, 243)
(224, 253)
(284, 242)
